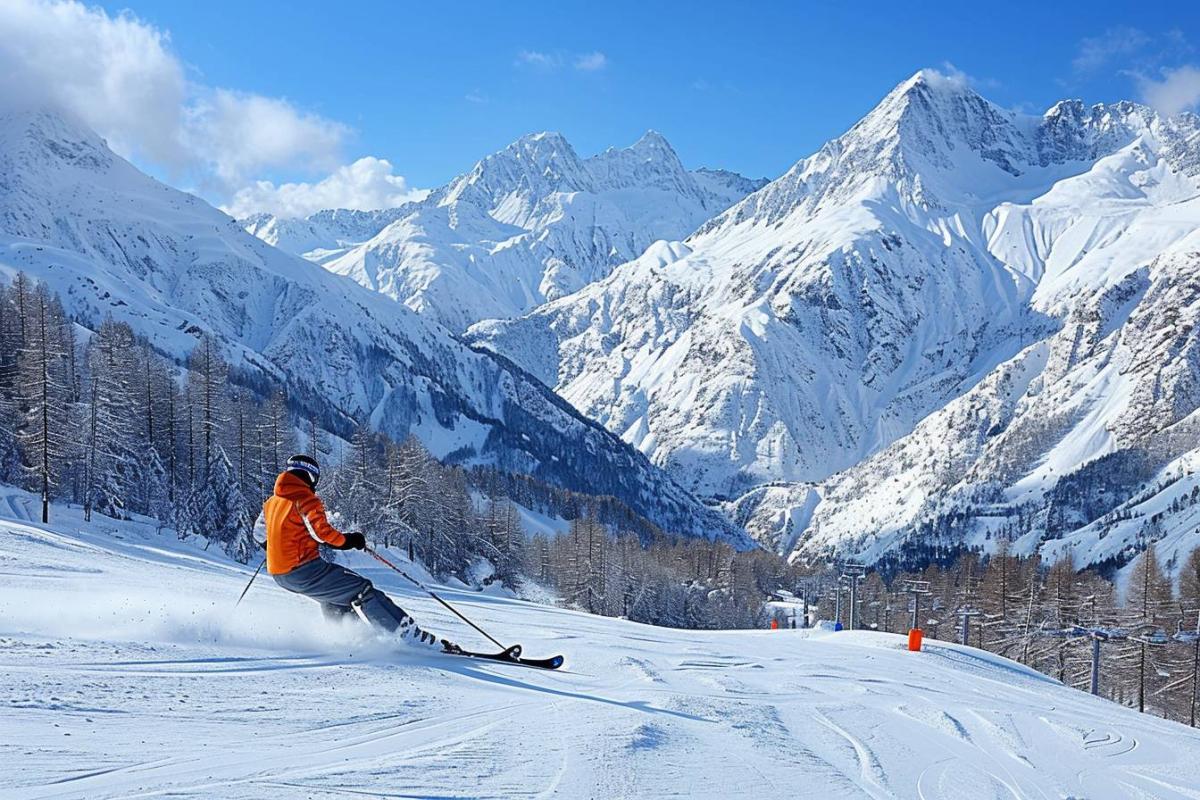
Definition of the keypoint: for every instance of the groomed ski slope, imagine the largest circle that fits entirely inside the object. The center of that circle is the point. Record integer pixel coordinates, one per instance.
(125, 672)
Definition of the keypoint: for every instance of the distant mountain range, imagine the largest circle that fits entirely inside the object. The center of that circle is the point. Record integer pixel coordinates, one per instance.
(921, 337)
(953, 323)
(531, 223)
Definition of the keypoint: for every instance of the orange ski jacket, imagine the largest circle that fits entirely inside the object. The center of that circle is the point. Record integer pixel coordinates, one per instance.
(296, 525)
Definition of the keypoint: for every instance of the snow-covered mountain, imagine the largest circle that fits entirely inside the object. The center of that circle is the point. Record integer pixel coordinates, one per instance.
(115, 243)
(530, 223)
(944, 255)
(322, 236)
(1082, 444)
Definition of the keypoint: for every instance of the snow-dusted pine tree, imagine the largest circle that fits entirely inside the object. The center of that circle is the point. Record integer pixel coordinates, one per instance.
(408, 489)
(276, 437)
(216, 509)
(1148, 600)
(123, 471)
(361, 484)
(1189, 583)
(46, 436)
(207, 382)
(11, 345)
(505, 538)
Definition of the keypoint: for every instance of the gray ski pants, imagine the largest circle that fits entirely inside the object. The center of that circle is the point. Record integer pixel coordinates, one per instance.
(341, 591)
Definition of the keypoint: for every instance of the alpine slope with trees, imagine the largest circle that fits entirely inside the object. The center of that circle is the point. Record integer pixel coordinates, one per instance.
(116, 245)
(100, 420)
(159, 360)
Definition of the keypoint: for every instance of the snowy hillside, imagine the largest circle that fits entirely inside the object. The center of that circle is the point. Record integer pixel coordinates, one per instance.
(530, 223)
(126, 671)
(114, 243)
(1067, 433)
(942, 246)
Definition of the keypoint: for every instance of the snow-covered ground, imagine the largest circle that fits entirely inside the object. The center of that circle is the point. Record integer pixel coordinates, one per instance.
(125, 671)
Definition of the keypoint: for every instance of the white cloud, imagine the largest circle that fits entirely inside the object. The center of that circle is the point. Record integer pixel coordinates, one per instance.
(948, 74)
(1178, 90)
(115, 73)
(118, 75)
(475, 96)
(584, 62)
(590, 62)
(953, 76)
(367, 184)
(1096, 51)
(538, 59)
(239, 134)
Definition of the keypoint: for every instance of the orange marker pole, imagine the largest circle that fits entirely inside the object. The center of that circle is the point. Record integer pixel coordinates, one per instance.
(915, 635)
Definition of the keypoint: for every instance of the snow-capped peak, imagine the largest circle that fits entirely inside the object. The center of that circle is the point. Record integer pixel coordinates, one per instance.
(652, 145)
(43, 128)
(43, 140)
(934, 144)
(545, 154)
(532, 167)
(540, 164)
(530, 222)
(650, 162)
(932, 114)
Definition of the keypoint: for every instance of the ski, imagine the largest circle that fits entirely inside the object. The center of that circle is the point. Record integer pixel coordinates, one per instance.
(510, 656)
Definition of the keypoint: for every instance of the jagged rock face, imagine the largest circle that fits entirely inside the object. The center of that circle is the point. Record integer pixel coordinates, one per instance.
(794, 336)
(940, 250)
(1118, 381)
(113, 242)
(530, 223)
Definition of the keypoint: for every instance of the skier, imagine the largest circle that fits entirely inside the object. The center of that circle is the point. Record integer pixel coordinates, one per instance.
(293, 526)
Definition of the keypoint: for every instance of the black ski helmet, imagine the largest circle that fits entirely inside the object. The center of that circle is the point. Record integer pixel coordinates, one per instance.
(306, 467)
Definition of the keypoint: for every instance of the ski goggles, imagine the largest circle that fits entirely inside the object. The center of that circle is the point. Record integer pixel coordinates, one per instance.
(313, 471)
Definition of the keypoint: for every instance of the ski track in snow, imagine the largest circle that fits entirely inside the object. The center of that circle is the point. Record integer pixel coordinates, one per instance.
(125, 672)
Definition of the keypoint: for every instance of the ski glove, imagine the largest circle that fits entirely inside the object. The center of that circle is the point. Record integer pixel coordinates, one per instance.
(354, 541)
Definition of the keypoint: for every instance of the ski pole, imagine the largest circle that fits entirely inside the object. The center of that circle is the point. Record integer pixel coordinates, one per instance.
(252, 577)
(431, 593)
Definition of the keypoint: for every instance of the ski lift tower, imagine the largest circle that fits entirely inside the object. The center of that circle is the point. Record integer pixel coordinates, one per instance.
(1098, 636)
(965, 615)
(916, 588)
(1147, 636)
(835, 594)
(808, 589)
(853, 573)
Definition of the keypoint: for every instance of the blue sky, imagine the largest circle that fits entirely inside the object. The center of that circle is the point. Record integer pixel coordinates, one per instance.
(431, 87)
